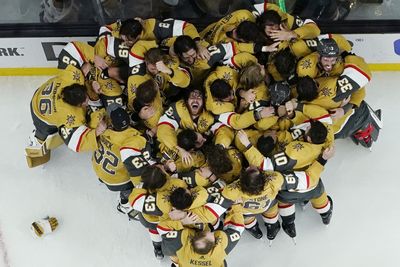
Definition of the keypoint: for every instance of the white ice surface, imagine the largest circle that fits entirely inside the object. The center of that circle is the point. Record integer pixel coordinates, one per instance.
(365, 228)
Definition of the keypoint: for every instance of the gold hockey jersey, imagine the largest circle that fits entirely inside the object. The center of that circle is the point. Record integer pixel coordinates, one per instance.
(155, 29)
(216, 32)
(305, 29)
(121, 156)
(225, 111)
(333, 90)
(176, 117)
(255, 204)
(146, 202)
(176, 240)
(49, 107)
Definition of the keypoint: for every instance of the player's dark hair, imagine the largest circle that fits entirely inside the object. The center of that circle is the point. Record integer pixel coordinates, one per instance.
(268, 18)
(187, 139)
(307, 89)
(122, 70)
(189, 90)
(220, 89)
(181, 199)
(252, 182)
(153, 55)
(74, 94)
(183, 44)
(218, 159)
(249, 32)
(131, 28)
(318, 132)
(153, 178)
(199, 237)
(146, 92)
(285, 63)
(265, 144)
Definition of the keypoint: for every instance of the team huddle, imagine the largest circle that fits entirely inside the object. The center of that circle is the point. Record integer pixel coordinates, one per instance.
(202, 132)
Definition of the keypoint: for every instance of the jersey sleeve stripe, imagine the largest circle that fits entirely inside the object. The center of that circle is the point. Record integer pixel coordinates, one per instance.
(185, 71)
(308, 21)
(234, 226)
(212, 211)
(153, 231)
(216, 126)
(226, 117)
(355, 73)
(166, 123)
(266, 165)
(73, 50)
(110, 45)
(127, 152)
(78, 147)
(105, 30)
(325, 118)
(177, 28)
(166, 120)
(136, 56)
(76, 138)
(303, 180)
(162, 230)
(82, 56)
(138, 202)
(234, 63)
(135, 59)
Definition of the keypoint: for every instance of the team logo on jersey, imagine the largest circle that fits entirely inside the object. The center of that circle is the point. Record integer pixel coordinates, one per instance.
(109, 85)
(76, 76)
(202, 123)
(298, 146)
(227, 76)
(70, 120)
(326, 91)
(306, 64)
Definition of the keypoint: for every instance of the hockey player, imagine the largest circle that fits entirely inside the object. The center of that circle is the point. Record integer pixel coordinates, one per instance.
(171, 78)
(343, 97)
(300, 150)
(122, 152)
(184, 114)
(238, 26)
(58, 108)
(222, 166)
(201, 248)
(104, 84)
(257, 191)
(154, 180)
(325, 62)
(280, 26)
(116, 39)
(220, 100)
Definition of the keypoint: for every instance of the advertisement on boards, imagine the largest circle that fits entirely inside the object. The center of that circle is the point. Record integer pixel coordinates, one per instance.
(34, 52)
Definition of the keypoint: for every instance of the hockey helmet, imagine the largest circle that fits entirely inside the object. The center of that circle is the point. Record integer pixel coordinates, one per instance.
(279, 92)
(328, 48)
(119, 117)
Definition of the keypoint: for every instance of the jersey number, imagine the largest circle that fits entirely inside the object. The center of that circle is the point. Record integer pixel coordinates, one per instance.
(280, 159)
(150, 203)
(141, 161)
(344, 85)
(45, 103)
(106, 159)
